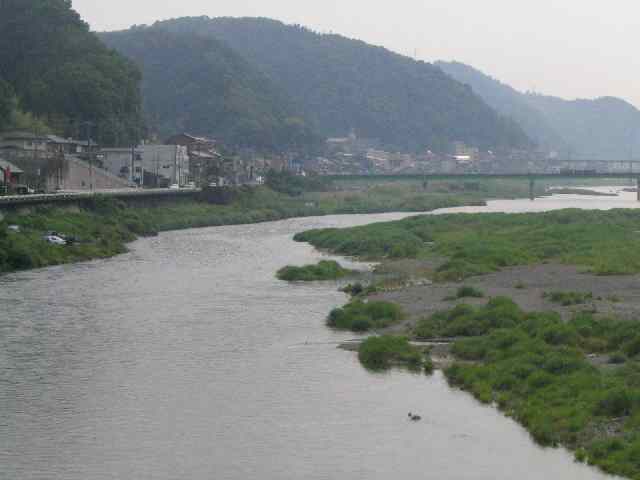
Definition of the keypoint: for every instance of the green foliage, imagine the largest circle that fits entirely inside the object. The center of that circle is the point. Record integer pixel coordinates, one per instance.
(359, 316)
(534, 367)
(365, 241)
(197, 84)
(568, 298)
(295, 185)
(474, 244)
(467, 321)
(96, 236)
(63, 74)
(353, 289)
(381, 353)
(340, 84)
(469, 292)
(8, 104)
(324, 270)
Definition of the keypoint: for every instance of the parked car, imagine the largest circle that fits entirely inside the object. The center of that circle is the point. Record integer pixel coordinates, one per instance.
(175, 186)
(24, 190)
(55, 240)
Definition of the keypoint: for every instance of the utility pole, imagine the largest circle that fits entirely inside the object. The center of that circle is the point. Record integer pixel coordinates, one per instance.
(176, 177)
(88, 125)
(133, 161)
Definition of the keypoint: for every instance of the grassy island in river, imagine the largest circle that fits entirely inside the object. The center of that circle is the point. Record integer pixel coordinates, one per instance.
(324, 270)
(604, 242)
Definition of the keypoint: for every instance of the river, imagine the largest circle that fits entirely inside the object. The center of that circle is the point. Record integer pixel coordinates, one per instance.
(187, 359)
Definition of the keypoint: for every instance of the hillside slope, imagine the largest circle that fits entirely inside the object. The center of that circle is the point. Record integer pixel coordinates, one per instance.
(341, 85)
(508, 102)
(196, 84)
(61, 71)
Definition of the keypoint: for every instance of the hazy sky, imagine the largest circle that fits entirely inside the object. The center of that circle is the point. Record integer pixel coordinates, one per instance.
(568, 48)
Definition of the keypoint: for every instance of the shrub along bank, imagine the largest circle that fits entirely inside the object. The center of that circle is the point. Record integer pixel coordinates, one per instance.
(324, 270)
(537, 370)
(360, 316)
(382, 353)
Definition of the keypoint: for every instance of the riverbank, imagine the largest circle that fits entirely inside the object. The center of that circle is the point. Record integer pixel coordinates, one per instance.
(103, 228)
(472, 287)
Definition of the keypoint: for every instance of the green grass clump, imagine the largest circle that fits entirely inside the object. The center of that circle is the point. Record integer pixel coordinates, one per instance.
(535, 368)
(467, 321)
(606, 242)
(359, 290)
(568, 298)
(382, 353)
(469, 292)
(324, 270)
(359, 316)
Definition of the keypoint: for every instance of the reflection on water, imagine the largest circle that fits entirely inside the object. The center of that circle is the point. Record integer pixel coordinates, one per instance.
(186, 358)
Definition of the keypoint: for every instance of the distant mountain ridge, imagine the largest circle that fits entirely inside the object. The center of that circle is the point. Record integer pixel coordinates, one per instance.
(606, 128)
(338, 85)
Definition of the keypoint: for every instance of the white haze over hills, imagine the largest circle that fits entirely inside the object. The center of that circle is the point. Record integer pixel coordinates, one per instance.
(605, 128)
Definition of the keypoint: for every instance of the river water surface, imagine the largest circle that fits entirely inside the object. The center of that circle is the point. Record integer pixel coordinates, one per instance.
(187, 359)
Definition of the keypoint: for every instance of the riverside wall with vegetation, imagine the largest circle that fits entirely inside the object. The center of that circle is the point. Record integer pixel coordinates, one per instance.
(102, 228)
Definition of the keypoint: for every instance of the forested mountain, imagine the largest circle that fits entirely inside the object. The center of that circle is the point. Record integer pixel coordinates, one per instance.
(197, 84)
(605, 128)
(341, 85)
(7, 104)
(61, 72)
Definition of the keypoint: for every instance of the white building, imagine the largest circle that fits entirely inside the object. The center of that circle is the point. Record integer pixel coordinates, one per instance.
(149, 165)
(168, 163)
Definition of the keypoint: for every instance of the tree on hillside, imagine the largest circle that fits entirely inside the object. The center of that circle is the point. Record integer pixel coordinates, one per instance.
(340, 85)
(201, 86)
(62, 72)
(7, 104)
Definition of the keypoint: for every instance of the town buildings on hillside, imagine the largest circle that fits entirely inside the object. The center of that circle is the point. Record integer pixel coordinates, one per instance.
(49, 163)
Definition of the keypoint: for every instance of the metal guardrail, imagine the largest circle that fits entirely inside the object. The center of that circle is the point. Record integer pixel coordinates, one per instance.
(75, 196)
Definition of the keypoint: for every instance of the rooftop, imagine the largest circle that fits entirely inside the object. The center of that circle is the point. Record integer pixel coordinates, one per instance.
(4, 165)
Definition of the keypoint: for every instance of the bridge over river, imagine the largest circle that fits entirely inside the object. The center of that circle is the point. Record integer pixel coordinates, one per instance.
(530, 177)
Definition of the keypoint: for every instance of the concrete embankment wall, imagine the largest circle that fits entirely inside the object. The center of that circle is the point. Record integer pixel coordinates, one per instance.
(79, 175)
(142, 198)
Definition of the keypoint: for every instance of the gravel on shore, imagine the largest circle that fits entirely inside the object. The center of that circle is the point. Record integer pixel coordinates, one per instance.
(615, 295)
